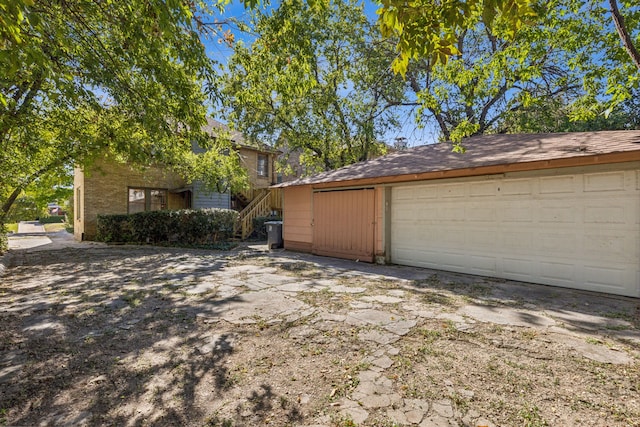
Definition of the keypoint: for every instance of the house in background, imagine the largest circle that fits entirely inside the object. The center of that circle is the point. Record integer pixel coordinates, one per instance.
(556, 209)
(109, 187)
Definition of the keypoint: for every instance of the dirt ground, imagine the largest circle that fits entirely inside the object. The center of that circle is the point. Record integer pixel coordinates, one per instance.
(142, 336)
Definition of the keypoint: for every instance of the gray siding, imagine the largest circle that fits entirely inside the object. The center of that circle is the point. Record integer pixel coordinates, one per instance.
(203, 198)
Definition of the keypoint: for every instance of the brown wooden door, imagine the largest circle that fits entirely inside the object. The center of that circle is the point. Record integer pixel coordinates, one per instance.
(343, 224)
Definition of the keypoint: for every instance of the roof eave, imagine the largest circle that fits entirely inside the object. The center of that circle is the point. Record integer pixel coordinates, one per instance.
(576, 161)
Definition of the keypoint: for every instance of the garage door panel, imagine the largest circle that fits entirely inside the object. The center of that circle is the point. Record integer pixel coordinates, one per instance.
(556, 242)
(614, 244)
(479, 213)
(557, 272)
(482, 265)
(482, 189)
(604, 214)
(452, 213)
(517, 214)
(580, 231)
(515, 240)
(611, 181)
(557, 185)
(343, 224)
(558, 212)
(516, 187)
(518, 268)
(451, 190)
(603, 275)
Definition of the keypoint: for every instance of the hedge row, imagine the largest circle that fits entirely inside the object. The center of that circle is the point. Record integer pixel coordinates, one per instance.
(186, 226)
(55, 219)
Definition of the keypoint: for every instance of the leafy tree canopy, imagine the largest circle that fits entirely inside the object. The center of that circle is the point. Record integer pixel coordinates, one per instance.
(473, 65)
(316, 80)
(81, 78)
(599, 37)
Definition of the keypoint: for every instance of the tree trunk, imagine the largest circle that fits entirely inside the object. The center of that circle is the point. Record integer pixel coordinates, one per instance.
(627, 42)
(7, 204)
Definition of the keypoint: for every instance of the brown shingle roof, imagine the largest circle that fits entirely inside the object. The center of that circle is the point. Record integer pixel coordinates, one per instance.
(484, 151)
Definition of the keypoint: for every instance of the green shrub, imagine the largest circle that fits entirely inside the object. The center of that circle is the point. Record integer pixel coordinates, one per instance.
(4, 240)
(259, 229)
(186, 226)
(51, 219)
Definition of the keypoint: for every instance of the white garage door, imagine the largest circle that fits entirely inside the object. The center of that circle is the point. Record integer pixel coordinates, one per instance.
(579, 231)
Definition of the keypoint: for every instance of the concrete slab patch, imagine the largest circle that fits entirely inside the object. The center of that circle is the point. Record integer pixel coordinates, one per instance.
(506, 316)
(598, 352)
(249, 269)
(341, 289)
(360, 305)
(252, 306)
(453, 317)
(438, 421)
(401, 327)
(370, 317)
(419, 310)
(303, 286)
(357, 414)
(331, 317)
(201, 288)
(378, 337)
(383, 362)
(443, 408)
(384, 299)
(576, 319)
(270, 279)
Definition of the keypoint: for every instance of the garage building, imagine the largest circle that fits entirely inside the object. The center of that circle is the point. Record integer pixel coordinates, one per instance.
(557, 209)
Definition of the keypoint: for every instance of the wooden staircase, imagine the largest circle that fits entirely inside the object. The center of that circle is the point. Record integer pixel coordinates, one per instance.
(259, 206)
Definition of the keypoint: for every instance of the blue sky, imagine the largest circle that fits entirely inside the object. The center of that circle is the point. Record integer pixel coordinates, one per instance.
(220, 51)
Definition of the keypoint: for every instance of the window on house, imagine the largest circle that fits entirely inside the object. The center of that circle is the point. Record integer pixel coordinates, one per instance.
(78, 204)
(147, 199)
(263, 165)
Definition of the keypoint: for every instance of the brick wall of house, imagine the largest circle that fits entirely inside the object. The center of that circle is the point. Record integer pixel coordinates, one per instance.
(104, 188)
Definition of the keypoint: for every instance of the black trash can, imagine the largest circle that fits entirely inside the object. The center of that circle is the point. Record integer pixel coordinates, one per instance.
(274, 234)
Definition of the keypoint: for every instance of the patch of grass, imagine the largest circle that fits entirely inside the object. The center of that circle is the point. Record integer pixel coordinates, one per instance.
(530, 415)
(529, 334)
(215, 421)
(261, 322)
(12, 227)
(437, 298)
(429, 335)
(52, 228)
(461, 403)
(348, 381)
(623, 315)
(297, 266)
(618, 327)
(134, 298)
